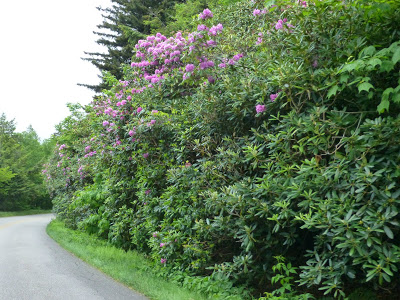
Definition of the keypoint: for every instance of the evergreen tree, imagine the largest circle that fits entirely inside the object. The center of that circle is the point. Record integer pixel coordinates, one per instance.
(124, 24)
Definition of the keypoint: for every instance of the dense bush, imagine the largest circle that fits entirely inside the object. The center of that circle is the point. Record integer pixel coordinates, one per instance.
(271, 131)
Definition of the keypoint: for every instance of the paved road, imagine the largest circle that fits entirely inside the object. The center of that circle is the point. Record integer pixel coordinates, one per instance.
(34, 267)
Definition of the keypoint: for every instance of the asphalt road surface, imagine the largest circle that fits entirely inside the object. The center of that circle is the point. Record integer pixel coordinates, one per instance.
(34, 267)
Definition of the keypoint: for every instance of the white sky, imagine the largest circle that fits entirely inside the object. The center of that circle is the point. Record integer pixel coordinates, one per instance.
(41, 45)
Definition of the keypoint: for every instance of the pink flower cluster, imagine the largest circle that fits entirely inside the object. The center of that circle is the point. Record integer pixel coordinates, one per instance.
(257, 12)
(260, 108)
(206, 14)
(280, 23)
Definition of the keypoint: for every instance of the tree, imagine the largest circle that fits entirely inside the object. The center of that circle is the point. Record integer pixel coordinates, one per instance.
(21, 159)
(125, 23)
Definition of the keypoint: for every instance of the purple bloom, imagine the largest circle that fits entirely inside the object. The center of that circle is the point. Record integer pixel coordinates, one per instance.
(139, 109)
(147, 192)
(211, 79)
(155, 234)
(105, 123)
(146, 155)
(206, 14)
(256, 12)
(202, 27)
(211, 43)
(260, 108)
(162, 245)
(131, 132)
(279, 25)
(154, 111)
(189, 68)
(163, 260)
(273, 96)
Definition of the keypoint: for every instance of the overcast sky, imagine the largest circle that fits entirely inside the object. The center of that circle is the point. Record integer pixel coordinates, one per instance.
(42, 42)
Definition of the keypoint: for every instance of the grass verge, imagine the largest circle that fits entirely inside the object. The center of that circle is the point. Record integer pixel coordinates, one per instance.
(130, 268)
(23, 212)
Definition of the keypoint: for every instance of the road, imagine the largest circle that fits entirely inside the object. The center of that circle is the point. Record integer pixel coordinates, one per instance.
(34, 267)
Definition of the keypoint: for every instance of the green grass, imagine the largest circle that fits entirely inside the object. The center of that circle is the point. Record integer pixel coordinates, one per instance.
(130, 268)
(23, 212)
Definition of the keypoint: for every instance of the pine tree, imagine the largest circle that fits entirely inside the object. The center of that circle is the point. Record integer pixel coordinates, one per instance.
(125, 23)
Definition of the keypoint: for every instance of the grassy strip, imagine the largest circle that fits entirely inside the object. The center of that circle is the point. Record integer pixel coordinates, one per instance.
(130, 268)
(23, 212)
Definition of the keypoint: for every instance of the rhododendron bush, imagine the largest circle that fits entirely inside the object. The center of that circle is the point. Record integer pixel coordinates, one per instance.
(269, 131)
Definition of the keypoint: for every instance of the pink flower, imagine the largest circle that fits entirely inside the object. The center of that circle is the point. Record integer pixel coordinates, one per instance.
(273, 97)
(202, 27)
(260, 108)
(163, 260)
(189, 68)
(146, 155)
(139, 109)
(279, 25)
(147, 192)
(256, 12)
(206, 14)
(131, 133)
(105, 123)
(162, 245)
(154, 111)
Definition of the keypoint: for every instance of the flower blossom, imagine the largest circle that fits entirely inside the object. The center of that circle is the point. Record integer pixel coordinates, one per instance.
(279, 25)
(202, 27)
(260, 108)
(273, 96)
(256, 12)
(163, 260)
(206, 14)
(189, 68)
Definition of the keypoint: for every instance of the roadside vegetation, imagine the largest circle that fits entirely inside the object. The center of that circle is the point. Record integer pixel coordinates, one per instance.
(23, 212)
(129, 267)
(254, 152)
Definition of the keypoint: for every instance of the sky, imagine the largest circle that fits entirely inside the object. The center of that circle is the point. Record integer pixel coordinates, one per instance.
(41, 45)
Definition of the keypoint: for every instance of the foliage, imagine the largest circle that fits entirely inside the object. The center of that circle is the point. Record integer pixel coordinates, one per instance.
(21, 159)
(259, 134)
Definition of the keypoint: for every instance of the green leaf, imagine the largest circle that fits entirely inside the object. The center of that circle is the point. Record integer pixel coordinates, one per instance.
(388, 232)
(365, 86)
(386, 93)
(370, 50)
(344, 78)
(384, 105)
(396, 56)
(388, 271)
(374, 61)
(332, 91)
(396, 98)
(351, 275)
(386, 66)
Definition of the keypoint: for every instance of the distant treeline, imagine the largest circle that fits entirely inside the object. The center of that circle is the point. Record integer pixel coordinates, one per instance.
(21, 158)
